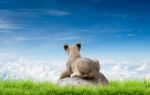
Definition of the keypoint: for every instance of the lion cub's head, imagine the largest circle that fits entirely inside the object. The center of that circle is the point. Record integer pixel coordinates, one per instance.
(72, 49)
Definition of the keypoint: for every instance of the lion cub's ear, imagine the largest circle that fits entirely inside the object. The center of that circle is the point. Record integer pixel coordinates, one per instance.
(79, 45)
(66, 46)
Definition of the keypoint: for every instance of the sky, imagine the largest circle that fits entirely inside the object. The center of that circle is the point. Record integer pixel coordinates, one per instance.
(105, 28)
(33, 32)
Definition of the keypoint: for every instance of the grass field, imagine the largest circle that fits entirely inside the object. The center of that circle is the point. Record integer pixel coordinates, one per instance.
(26, 87)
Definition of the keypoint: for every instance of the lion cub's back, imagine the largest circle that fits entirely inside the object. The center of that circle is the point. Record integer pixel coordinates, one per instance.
(93, 64)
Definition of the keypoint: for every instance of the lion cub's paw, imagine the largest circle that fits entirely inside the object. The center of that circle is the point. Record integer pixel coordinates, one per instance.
(75, 74)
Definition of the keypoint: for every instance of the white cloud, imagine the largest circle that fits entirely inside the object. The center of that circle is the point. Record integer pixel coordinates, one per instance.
(55, 12)
(123, 35)
(19, 38)
(32, 12)
(112, 30)
(5, 24)
(114, 15)
(19, 13)
(126, 69)
(49, 70)
(24, 68)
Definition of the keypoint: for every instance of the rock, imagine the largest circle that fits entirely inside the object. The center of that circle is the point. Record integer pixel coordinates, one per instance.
(79, 81)
(76, 81)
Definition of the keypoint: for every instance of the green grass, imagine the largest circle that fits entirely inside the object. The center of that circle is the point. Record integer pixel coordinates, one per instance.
(26, 87)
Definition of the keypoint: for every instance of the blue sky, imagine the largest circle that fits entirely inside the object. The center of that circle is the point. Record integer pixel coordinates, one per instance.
(105, 28)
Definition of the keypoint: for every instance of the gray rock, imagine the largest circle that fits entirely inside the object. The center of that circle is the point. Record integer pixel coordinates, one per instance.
(77, 81)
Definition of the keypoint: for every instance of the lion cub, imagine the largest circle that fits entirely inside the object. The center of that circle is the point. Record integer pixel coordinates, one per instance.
(78, 66)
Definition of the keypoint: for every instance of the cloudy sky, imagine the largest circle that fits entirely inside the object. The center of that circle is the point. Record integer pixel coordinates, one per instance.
(107, 29)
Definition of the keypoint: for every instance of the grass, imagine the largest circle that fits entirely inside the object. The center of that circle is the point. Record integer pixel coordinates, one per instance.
(27, 87)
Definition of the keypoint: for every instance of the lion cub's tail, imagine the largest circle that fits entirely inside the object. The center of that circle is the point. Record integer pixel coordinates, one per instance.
(102, 79)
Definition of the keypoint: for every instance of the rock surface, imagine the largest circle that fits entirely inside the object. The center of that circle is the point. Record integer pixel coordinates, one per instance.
(77, 81)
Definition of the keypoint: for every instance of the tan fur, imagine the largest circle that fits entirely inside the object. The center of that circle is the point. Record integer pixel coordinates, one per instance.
(78, 66)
